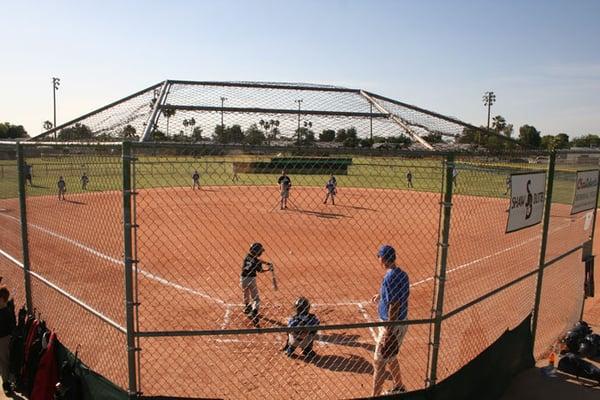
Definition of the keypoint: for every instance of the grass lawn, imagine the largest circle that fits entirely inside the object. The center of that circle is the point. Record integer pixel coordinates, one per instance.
(475, 177)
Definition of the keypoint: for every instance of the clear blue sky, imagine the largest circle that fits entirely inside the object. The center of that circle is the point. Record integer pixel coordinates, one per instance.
(541, 58)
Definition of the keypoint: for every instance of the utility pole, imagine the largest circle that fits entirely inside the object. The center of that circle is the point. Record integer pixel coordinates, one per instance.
(299, 101)
(55, 85)
(489, 98)
(222, 105)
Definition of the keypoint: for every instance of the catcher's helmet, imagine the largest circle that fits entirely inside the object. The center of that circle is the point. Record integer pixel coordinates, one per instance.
(256, 249)
(594, 342)
(582, 328)
(302, 305)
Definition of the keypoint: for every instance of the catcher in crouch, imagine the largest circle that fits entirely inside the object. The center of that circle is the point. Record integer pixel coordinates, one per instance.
(302, 339)
(251, 265)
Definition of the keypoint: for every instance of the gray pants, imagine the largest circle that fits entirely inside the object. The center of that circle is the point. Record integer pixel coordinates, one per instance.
(4, 360)
(250, 290)
(301, 339)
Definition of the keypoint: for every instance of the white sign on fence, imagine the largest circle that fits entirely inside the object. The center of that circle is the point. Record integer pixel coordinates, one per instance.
(526, 201)
(586, 187)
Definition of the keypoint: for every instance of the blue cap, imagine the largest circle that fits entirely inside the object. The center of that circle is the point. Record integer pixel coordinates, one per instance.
(386, 252)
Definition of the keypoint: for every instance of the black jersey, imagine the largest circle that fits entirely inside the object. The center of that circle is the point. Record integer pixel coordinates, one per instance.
(284, 181)
(251, 266)
(196, 176)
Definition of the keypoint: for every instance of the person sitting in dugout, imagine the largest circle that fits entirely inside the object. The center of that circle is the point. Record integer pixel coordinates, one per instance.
(302, 339)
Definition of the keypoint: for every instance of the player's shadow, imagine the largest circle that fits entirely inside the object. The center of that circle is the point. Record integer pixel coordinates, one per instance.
(318, 214)
(342, 339)
(39, 187)
(347, 363)
(75, 202)
(356, 207)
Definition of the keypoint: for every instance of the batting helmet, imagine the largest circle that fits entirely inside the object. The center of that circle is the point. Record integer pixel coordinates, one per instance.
(582, 328)
(572, 340)
(594, 338)
(302, 305)
(593, 341)
(586, 349)
(256, 249)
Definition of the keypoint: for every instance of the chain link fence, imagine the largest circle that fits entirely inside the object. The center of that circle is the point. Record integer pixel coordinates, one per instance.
(147, 259)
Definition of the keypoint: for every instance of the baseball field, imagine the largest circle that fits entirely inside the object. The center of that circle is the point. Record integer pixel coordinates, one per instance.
(190, 245)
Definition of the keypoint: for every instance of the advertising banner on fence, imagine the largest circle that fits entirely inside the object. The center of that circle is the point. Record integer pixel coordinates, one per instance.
(526, 200)
(586, 187)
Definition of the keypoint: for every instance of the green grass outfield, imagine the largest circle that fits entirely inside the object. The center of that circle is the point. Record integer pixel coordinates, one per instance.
(475, 177)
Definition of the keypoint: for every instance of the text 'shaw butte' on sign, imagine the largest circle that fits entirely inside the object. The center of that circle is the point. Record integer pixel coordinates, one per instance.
(586, 189)
(526, 200)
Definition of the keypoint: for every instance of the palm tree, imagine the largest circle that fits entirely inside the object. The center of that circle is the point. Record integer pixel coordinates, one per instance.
(128, 132)
(270, 127)
(191, 123)
(168, 113)
(47, 125)
(498, 123)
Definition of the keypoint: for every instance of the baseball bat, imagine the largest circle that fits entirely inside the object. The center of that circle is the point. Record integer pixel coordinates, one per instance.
(273, 278)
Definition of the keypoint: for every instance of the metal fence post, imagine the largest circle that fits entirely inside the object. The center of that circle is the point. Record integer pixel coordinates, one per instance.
(545, 226)
(128, 261)
(443, 260)
(24, 234)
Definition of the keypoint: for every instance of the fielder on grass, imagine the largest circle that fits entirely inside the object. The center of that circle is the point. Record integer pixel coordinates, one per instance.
(508, 179)
(196, 180)
(393, 306)
(84, 181)
(251, 265)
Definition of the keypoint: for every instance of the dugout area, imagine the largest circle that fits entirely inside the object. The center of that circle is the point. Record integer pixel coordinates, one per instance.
(192, 336)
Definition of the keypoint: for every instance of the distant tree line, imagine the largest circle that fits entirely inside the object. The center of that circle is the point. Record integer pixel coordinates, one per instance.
(528, 136)
(266, 131)
(10, 131)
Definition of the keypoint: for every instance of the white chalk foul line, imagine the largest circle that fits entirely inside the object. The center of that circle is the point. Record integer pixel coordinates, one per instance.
(478, 260)
(226, 317)
(103, 256)
(365, 315)
(11, 258)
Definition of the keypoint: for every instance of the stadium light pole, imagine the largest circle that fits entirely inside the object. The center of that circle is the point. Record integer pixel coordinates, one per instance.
(489, 98)
(371, 122)
(55, 85)
(299, 101)
(223, 99)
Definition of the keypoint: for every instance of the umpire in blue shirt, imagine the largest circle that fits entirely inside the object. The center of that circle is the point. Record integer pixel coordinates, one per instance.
(393, 306)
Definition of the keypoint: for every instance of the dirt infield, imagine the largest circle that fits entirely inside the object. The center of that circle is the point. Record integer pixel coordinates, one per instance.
(190, 245)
